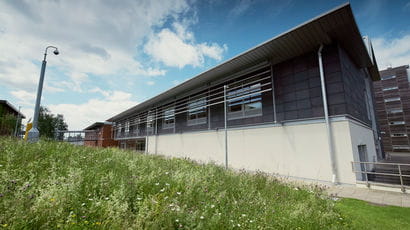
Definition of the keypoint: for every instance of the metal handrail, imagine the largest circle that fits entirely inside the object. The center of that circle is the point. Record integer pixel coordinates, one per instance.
(380, 163)
(364, 163)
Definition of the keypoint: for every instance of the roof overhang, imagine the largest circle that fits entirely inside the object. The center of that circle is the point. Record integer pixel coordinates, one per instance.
(336, 26)
(97, 125)
(5, 102)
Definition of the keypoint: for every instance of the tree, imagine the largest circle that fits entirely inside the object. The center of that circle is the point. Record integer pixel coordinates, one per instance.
(48, 123)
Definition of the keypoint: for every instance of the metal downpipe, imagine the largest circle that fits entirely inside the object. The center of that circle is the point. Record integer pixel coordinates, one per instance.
(326, 113)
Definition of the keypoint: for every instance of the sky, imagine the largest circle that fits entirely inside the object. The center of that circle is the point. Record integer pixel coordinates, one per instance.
(116, 54)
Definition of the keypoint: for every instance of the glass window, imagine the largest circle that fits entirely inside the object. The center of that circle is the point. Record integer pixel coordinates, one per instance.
(169, 118)
(244, 100)
(400, 147)
(388, 77)
(396, 123)
(392, 111)
(197, 111)
(392, 99)
(390, 88)
(399, 135)
(136, 126)
(127, 127)
(150, 122)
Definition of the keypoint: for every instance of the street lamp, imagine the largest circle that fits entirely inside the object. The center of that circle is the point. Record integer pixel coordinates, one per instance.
(34, 134)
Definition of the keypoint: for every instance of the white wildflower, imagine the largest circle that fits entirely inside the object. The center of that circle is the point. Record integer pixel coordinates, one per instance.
(250, 221)
(139, 198)
(178, 193)
(212, 206)
(239, 225)
(166, 173)
(176, 220)
(157, 184)
(166, 184)
(243, 215)
(83, 204)
(90, 198)
(202, 217)
(162, 190)
(107, 198)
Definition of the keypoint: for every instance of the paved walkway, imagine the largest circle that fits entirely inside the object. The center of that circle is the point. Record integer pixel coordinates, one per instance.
(371, 195)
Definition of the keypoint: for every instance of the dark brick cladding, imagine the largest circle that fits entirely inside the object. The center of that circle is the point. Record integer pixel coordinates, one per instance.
(298, 93)
(384, 117)
(298, 89)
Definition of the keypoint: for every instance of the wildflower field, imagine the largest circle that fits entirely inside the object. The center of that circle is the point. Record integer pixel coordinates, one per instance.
(51, 185)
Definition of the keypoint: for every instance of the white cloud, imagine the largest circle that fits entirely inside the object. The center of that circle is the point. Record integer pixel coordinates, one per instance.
(392, 52)
(102, 41)
(178, 48)
(240, 8)
(94, 109)
(150, 82)
(24, 97)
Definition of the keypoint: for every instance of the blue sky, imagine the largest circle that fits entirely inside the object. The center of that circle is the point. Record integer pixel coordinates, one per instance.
(115, 54)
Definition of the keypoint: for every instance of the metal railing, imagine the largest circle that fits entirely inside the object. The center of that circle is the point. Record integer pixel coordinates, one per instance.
(366, 170)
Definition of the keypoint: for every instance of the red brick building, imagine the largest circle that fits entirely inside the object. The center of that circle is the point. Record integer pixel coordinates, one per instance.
(99, 134)
(392, 94)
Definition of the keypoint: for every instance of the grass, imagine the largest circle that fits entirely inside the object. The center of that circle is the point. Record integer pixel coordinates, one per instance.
(368, 216)
(51, 185)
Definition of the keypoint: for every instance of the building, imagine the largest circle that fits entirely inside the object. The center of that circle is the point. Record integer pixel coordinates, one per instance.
(392, 94)
(9, 118)
(277, 119)
(99, 134)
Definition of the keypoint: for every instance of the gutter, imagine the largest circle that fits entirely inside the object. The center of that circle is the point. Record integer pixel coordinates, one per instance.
(327, 122)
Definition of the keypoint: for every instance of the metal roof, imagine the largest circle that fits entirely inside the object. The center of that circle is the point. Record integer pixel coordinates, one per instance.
(337, 25)
(5, 102)
(98, 124)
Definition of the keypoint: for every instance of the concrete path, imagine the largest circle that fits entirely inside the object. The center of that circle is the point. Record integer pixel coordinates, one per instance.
(372, 196)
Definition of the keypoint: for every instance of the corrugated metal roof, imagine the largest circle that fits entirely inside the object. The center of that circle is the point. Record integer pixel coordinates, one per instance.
(337, 25)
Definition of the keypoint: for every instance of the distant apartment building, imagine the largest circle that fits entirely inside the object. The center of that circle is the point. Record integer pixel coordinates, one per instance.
(298, 105)
(99, 134)
(9, 117)
(392, 95)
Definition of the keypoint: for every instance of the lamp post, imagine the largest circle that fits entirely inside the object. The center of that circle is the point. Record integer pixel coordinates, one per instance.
(34, 134)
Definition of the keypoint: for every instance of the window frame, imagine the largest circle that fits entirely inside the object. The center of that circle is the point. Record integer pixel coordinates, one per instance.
(244, 94)
(197, 106)
(166, 121)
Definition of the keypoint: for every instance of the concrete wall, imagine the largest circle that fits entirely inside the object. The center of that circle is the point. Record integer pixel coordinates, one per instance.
(295, 150)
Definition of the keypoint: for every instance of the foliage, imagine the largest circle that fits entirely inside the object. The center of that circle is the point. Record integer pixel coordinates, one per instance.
(7, 122)
(50, 185)
(368, 216)
(48, 123)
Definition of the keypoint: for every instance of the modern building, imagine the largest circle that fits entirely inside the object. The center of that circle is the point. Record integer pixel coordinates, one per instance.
(10, 119)
(99, 134)
(392, 94)
(298, 105)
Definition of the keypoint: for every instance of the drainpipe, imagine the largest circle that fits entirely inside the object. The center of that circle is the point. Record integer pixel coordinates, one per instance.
(226, 128)
(325, 109)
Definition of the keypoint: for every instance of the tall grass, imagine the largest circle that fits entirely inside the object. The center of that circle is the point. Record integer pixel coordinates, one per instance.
(51, 185)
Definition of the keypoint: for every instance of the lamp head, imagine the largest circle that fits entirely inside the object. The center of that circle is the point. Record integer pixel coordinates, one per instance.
(56, 52)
